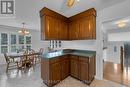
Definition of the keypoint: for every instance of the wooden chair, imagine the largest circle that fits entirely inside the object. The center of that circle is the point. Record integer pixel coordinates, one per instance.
(38, 57)
(32, 58)
(11, 63)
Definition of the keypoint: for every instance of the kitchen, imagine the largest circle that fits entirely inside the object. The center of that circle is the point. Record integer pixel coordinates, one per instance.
(71, 35)
(57, 27)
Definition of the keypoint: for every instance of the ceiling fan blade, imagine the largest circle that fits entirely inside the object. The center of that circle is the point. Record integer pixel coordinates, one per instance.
(70, 3)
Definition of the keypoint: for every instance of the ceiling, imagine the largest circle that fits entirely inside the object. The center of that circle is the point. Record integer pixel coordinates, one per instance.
(28, 10)
(112, 25)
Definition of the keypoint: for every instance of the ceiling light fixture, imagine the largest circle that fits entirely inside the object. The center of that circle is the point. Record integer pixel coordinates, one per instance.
(121, 23)
(23, 31)
(70, 3)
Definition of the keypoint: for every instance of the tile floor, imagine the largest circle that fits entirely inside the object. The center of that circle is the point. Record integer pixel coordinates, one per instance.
(31, 78)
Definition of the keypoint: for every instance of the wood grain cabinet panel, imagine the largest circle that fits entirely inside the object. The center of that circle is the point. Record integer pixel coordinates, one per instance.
(65, 69)
(63, 30)
(74, 30)
(74, 65)
(92, 68)
(78, 27)
(83, 71)
(53, 25)
(55, 70)
(84, 28)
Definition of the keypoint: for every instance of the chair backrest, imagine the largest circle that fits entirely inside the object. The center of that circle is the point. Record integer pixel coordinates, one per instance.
(32, 56)
(6, 57)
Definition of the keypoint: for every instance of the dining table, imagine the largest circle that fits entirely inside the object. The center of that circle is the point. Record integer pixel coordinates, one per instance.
(20, 55)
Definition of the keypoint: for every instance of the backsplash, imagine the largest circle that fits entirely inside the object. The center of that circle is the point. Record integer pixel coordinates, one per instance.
(80, 44)
(77, 44)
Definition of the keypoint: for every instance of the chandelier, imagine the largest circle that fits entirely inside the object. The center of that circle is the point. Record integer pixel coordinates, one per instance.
(23, 31)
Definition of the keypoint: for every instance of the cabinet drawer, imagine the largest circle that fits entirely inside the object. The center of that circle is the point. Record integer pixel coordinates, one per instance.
(84, 59)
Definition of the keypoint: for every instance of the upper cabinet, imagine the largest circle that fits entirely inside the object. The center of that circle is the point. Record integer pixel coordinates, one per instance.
(78, 27)
(53, 25)
(83, 25)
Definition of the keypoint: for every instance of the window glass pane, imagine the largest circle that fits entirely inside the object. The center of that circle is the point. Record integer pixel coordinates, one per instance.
(4, 49)
(4, 39)
(13, 39)
(28, 39)
(21, 39)
(21, 48)
(13, 49)
(28, 47)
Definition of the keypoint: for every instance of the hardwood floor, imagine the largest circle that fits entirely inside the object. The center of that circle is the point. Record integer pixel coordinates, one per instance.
(114, 73)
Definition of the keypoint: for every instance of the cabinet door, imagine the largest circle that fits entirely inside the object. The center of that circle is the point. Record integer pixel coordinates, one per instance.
(92, 68)
(51, 28)
(83, 71)
(90, 28)
(63, 30)
(93, 26)
(55, 70)
(74, 30)
(65, 69)
(84, 28)
(43, 28)
(74, 66)
(87, 28)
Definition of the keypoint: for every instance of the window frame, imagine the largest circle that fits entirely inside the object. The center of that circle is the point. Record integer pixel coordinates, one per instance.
(17, 41)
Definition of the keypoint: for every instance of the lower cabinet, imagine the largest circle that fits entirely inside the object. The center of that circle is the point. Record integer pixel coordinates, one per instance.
(83, 68)
(74, 65)
(92, 68)
(56, 69)
(83, 71)
(65, 68)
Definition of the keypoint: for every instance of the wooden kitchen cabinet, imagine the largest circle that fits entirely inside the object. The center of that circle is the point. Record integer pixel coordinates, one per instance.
(84, 28)
(74, 66)
(63, 30)
(78, 27)
(74, 30)
(83, 69)
(87, 69)
(92, 68)
(53, 25)
(93, 26)
(56, 69)
(84, 24)
(65, 67)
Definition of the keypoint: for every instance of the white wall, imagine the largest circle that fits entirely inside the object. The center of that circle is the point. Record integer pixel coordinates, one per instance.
(120, 10)
(122, 36)
(35, 38)
(111, 55)
(80, 44)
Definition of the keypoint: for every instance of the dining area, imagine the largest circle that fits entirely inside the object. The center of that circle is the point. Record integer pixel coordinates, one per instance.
(23, 60)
